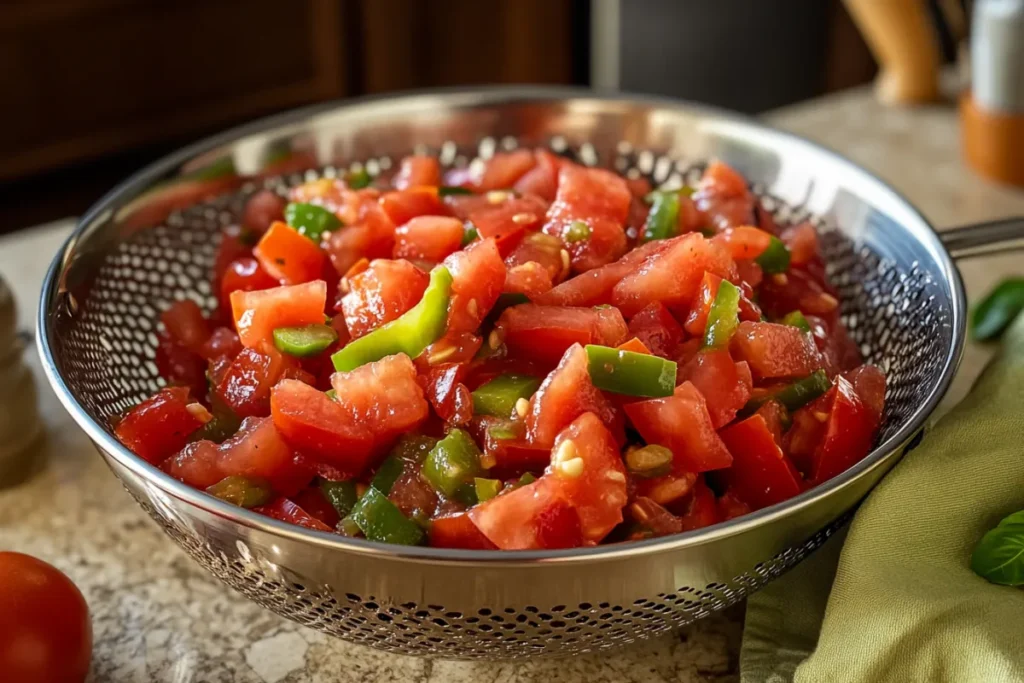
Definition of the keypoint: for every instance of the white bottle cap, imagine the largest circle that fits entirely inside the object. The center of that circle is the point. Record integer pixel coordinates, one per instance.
(997, 55)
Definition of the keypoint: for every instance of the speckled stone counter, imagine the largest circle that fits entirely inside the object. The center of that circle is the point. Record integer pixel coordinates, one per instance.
(159, 618)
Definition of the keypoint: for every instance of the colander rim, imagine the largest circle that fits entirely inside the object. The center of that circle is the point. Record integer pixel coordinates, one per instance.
(482, 96)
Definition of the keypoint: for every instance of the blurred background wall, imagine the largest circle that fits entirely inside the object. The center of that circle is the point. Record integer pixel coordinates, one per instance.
(97, 88)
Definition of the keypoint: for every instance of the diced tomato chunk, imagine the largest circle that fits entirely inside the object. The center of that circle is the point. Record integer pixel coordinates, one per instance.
(262, 209)
(535, 265)
(381, 293)
(179, 366)
(158, 427)
(566, 394)
(457, 531)
(320, 428)
(681, 423)
(315, 503)
(223, 342)
(731, 507)
(417, 170)
(478, 275)
(504, 169)
(761, 474)
(289, 256)
(447, 394)
(246, 275)
(802, 241)
(869, 384)
(657, 329)
(404, 205)
(527, 518)
(595, 286)
(186, 325)
(246, 384)
(428, 238)
(668, 488)
(600, 200)
(543, 333)
(288, 511)
(542, 179)
(257, 314)
(743, 242)
(384, 396)
(235, 243)
(798, 290)
(723, 196)
(508, 220)
(848, 436)
(257, 451)
(775, 350)
(702, 509)
(775, 417)
(673, 275)
(197, 464)
(725, 386)
(370, 235)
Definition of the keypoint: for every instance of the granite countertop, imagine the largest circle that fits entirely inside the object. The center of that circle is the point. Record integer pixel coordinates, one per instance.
(158, 618)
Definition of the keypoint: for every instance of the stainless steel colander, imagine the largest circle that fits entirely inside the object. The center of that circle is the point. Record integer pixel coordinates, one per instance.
(130, 255)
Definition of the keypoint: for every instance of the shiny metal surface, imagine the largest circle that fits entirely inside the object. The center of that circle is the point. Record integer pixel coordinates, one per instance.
(137, 249)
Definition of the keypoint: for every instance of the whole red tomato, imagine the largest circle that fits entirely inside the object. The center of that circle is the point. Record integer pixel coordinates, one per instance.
(45, 634)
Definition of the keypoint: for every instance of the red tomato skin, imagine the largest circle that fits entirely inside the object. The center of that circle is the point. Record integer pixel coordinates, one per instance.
(799, 290)
(535, 265)
(507, 221)
(542, 179)
(312, 500)
(263, 209)
(385, 396)
(849, 433)
(761, 474)
(417, 170)
(246, 385)
(288, 256)
(702, 510)
(725, 387)
(511, 520)
(428, 238)
(657, 329)
(186, 325)
(232, 246)
(457, 531)
(724, 198)
(404, 205)
(802, 240)
(559, 526)
(449, 397)
(668, 488)
(673, 275)
(179, 366)
(286, 510)
(158, 427)
(311, 423)
(258, 314)
(369, 233)
(544, 333)
(381, 293)
(601, 200)
(223, 342)
(681, 423)
(258, 451)
(478, 275)
(243, 274)
(774, 350)
(731, 507)
(743, 242)
(563, 396)
(197, 464)
(504, 169)
(595, 286)
(869, 384)
(45, 630)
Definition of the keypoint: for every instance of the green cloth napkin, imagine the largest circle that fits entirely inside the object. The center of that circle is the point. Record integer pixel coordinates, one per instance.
(897, 601)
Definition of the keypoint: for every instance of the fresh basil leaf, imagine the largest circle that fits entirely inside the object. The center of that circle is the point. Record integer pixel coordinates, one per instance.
(996, 311)
(999, 555)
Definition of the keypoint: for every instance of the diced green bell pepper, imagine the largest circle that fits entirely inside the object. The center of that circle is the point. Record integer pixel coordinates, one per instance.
(357, 180)
(453, 462)
(505, 300)
(498, 397)
(774, 259)
(380, 520)
(471, 234)
(724, 316)
(341, 494)
(577, 232)
(663, 218)
(997, 310)
(411, 333)
(630, 373)
(449, 190)
(795, 395)
(308, 340)
(310, 220)
(487, 488)
(246, 492)
(527, 478)
(649, 461)
(796, 319)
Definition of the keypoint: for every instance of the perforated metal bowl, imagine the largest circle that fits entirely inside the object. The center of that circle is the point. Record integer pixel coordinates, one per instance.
(130, 255)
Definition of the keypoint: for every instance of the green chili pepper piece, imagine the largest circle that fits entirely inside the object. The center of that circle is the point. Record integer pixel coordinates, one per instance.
(310, 220)
(304, 341)
(357, 180)
(380, 520)
(707, 232)
(527, 478)
(795, 395)
(630, 373)
(577, 232)
(505, 300)
(649, 461)
(663, 218)
(724, 316)
(449, 190)
(223, 425)
(454, 461)
(796, 319)
(414, 448)
(415, 330)
(246, 492)
(332, 394)
(486, 488)
(774, 259)
(466, 494)
(997, 310)
(503, 432)
(341, 494)
(498, 397)
(470, 235)
(387, 474)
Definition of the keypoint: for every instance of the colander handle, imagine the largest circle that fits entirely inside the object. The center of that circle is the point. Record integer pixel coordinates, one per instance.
(983, 239)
